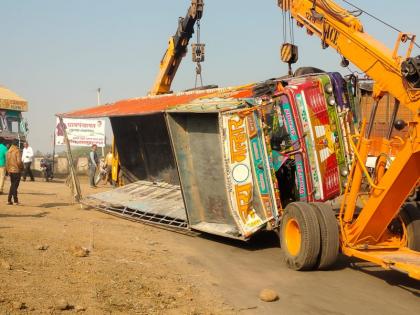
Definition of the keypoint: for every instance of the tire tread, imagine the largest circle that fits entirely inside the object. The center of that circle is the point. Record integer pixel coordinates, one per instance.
(329, 233)
(310, 246)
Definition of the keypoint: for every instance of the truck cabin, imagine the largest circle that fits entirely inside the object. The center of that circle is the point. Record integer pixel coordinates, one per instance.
(12, 124)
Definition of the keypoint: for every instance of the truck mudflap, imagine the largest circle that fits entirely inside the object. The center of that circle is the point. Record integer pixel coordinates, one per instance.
(151, 202)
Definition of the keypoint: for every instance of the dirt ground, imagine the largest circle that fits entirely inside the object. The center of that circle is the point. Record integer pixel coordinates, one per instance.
(132, 268)
(129, 269)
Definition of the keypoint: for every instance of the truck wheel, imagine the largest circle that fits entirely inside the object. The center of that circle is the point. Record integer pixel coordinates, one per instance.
(330, 241)
(300, 236)
(410, 215)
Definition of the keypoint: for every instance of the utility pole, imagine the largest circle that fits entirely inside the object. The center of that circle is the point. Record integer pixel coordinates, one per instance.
(98, 94)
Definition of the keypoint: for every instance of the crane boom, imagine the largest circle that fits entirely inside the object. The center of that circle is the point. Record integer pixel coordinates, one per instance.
(344, 32)
(177, 48)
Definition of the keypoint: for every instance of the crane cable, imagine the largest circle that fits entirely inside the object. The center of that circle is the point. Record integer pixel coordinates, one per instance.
(376, 18)
(198, 74)
(291, 29)
(288, 34)
(288, 26)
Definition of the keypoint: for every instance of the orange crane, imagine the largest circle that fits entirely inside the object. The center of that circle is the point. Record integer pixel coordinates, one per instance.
(177, 48)
(383, 231)
(176, 51)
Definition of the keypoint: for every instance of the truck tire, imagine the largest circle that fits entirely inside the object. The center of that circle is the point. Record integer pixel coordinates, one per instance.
(330, 239)
(410, 215)
(307, 70)
(300, 236)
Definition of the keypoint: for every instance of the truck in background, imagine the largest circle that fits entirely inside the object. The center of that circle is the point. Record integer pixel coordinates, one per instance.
(12, 125)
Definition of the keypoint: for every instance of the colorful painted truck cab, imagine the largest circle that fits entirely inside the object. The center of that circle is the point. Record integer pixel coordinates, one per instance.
(320, 140)
(12, 125)
(287, 139)
(345, 110)
(337, 126)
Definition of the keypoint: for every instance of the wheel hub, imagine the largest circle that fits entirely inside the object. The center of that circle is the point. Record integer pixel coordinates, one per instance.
(293, 237)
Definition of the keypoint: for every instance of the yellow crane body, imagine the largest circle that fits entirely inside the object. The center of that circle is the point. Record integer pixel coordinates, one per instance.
(367, 234)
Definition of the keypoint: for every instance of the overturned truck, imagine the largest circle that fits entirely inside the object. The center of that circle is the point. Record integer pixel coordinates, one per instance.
(226, 161)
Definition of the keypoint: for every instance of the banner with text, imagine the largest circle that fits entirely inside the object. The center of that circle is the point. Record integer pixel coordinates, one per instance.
(81, 132)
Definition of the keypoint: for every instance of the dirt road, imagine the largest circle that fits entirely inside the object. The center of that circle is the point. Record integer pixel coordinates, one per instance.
(134, 268)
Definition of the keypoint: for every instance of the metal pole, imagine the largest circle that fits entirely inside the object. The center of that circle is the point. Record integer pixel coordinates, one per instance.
(53, 157)
(372, 118)
(75, 184)
(98, 94)
(393, 117)
(103, 148)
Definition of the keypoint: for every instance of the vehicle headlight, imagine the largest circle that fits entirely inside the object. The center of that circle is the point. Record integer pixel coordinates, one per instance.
(328, 88)
(331, 100)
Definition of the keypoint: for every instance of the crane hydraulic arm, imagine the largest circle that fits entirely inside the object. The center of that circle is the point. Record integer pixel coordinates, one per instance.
(344, 32)
(367, 235)
(177, 48)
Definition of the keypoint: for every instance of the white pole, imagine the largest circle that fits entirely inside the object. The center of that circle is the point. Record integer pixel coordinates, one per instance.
(103, 148)
(98, 92)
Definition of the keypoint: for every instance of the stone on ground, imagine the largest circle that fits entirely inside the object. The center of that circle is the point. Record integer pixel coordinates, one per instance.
(269, 295)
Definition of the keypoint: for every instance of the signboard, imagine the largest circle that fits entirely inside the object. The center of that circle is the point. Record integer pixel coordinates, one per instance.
(81, 132)
(20, 106)
(10, 100)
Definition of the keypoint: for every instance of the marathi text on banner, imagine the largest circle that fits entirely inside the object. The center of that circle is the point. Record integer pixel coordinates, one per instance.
(81, 132)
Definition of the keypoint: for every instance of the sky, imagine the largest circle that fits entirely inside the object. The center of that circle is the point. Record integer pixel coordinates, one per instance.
(56, 53)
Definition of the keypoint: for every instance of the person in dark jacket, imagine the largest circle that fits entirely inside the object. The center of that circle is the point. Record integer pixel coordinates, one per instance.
(47, 167)
(14, 167)
(93, 163)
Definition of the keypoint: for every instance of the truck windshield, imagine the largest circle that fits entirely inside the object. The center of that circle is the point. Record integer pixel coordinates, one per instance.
(13, 124)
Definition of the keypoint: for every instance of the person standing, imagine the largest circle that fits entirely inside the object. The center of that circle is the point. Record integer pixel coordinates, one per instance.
(14, 167)
(3, 151)
(108, 160)
(27, 156)
(93, 163)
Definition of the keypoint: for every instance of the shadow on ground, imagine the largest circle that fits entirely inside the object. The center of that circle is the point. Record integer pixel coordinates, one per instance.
(391, 277)
(13, 215)
(262, 240)
(37, 194)
(54, 204)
